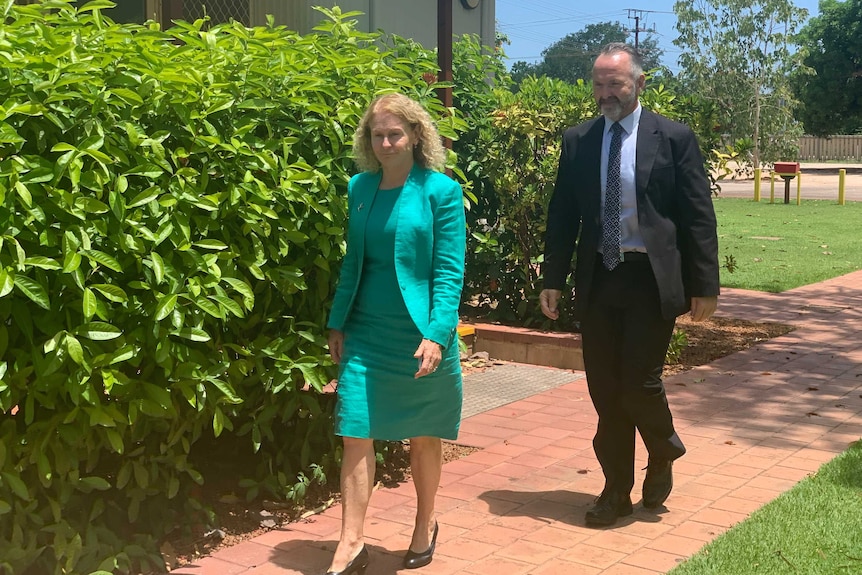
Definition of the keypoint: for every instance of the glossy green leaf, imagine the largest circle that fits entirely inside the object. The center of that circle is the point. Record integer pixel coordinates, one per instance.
(124, 475)
(226, 390)
(103, 259)
(75, 350)
(211, 245)
(218, 422)
(209, 307)
(24, 194)
(125, 353)
(243, 288)
(193, 334)
(144, 197)
(91, 205)
(173, 487)
(111, 292)
(97, 5)
(158, 267)
(42, 263)
(115, 440)
(229, 305)
(146, 170)
(142, 477)
(7, 282)
(89, 304)
(71, 262)
(98, 331)
(18, 487)
(166, 306)
(35, 291)
(128, 96)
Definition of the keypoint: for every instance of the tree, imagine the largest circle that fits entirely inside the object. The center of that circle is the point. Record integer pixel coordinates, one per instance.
(571, 58)
(739, 54)
(521, 70)
(831, 98)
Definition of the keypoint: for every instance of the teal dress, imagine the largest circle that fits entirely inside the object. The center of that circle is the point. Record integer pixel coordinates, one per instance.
(378, 395)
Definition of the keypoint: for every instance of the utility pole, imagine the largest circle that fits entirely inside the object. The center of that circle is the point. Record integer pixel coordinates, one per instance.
(636, 15)
(444, 53)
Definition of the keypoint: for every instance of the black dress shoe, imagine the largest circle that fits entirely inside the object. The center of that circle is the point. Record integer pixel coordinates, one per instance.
(357, 565)
(413, 560)
(658, 482)
(609, 507)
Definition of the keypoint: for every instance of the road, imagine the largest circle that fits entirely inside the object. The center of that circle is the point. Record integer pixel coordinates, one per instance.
(819, 181)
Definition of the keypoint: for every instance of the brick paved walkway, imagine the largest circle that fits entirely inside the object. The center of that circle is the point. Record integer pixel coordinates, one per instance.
(754, 422)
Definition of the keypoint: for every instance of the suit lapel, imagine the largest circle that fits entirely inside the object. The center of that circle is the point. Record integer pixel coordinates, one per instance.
(645, 154)
(592, 146)
(405, 208)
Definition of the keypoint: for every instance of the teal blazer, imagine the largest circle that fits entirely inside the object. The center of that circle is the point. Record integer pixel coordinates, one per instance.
(430, 242)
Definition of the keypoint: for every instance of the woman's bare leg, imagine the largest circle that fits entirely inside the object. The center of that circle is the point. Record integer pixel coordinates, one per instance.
(357, 482)
(426, 464)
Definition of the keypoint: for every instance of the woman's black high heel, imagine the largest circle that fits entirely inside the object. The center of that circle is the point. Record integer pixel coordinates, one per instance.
(357, 565)
(413, 560)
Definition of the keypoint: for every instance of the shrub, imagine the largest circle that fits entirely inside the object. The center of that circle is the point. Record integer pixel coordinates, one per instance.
(519, 152)
(171, 205)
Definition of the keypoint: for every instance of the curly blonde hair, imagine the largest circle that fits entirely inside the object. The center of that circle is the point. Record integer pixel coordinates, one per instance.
(428, 153)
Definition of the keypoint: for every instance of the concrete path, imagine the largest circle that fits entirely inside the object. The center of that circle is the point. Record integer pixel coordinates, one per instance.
(755, 423)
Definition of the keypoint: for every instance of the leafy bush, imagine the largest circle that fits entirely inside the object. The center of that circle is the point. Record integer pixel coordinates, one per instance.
(519, 152)
(171, 206)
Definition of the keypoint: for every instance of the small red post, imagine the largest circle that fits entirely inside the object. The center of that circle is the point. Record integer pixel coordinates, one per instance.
(787, 171)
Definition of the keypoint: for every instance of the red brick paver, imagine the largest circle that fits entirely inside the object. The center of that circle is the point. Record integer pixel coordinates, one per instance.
(754, 422)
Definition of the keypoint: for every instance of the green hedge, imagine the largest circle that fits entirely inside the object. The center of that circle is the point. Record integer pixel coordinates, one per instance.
(172, 205)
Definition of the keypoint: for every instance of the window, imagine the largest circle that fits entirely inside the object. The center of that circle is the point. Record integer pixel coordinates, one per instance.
(126, 11)
(219, 11)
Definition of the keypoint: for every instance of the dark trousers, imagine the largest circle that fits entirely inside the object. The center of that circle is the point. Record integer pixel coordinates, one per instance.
(625, 339)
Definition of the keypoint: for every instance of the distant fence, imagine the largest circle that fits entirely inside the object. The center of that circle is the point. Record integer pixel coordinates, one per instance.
(812, 149)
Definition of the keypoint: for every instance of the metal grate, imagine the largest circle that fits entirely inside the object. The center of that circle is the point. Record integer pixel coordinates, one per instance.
(219, 11)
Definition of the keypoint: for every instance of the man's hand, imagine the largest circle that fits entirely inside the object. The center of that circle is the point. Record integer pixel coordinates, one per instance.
(702, 308)
(549, 299)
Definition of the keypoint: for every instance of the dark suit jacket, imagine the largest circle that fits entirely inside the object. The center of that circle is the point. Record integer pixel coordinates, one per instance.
(675, 212)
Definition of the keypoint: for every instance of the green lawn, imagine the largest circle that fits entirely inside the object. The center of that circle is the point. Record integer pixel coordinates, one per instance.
(813, 529)
(816, 527)
(776, 247)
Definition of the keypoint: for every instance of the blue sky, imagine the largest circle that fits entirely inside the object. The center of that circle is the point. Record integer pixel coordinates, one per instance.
(533, 25)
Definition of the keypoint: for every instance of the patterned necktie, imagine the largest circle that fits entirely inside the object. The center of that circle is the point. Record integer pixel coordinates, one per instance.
(613, 190)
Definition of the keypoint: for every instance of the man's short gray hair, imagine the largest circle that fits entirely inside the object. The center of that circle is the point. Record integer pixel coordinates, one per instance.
(622, 47)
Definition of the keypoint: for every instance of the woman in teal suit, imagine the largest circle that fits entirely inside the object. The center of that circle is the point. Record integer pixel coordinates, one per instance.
(394, 318)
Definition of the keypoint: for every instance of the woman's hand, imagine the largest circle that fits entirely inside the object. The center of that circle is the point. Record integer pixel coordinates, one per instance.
(336, 344)
(429, 354)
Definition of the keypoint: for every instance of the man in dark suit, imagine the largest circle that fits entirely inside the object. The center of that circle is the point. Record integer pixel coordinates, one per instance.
(633, 197)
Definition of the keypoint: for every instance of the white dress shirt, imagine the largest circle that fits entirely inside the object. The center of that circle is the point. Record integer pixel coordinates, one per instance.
(630, 236)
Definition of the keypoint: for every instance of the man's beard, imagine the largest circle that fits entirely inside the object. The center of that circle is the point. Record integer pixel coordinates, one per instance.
(613, 108)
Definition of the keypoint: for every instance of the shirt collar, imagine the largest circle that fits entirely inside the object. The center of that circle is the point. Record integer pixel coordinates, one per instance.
(628, 123)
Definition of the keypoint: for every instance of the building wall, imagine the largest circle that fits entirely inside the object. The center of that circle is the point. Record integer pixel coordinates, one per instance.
(416, 19)
(407, 18)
